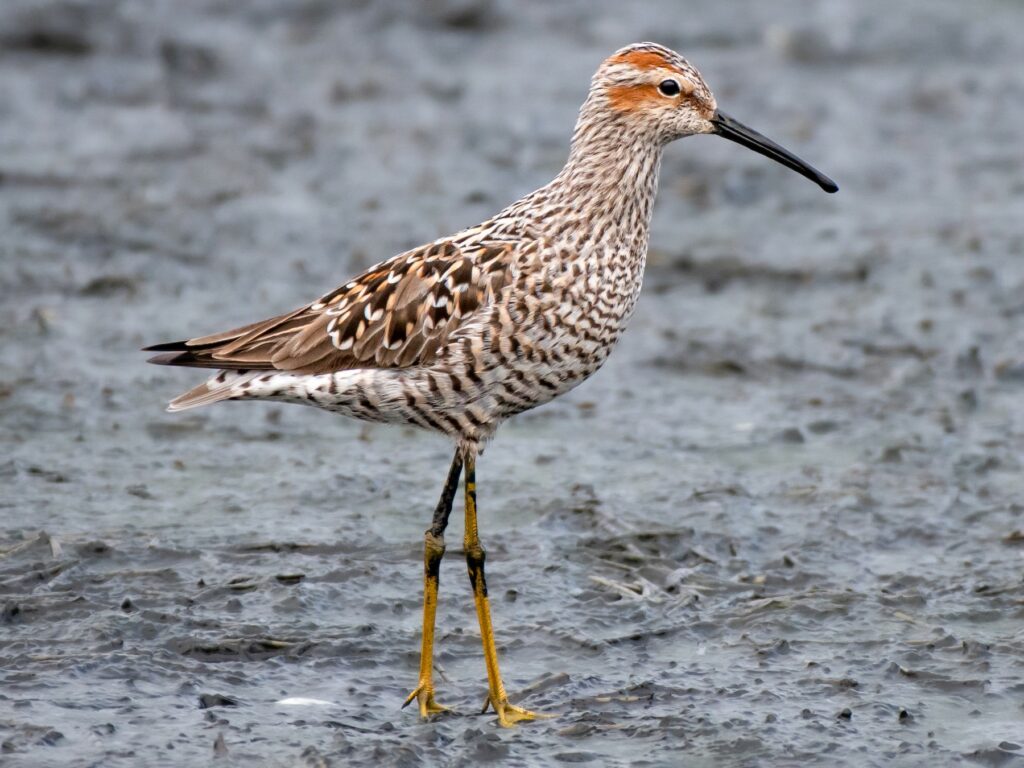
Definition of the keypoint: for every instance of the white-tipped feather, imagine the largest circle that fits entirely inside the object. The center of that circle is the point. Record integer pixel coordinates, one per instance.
(223, 386)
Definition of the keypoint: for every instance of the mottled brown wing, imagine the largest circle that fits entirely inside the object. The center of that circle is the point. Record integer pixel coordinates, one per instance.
(397, 314)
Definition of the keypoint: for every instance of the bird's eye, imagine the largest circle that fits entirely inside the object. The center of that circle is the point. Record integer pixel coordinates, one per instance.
(669, 88)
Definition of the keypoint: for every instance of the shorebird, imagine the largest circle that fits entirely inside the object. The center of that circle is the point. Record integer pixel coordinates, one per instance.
(459, 334)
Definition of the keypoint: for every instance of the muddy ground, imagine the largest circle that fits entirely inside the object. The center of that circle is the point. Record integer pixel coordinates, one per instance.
(783, 526)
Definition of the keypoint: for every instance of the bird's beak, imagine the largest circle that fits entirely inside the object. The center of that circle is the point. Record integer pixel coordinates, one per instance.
(736, 131)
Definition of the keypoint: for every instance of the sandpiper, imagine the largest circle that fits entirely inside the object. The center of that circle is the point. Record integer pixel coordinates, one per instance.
(458, 335)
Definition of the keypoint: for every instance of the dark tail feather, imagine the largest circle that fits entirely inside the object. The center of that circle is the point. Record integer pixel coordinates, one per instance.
(181, 353)
(171, 346)
(174, 353)
(188, 359)
(171, 358)
(202, 351)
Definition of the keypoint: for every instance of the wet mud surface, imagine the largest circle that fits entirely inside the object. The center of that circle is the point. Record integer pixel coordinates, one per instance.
(784, 525)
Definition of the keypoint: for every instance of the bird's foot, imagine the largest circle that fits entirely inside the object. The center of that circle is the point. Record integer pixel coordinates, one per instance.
(424, 694)
(510, 714)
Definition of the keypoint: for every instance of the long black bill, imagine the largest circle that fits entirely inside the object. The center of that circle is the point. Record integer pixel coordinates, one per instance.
(736, 131)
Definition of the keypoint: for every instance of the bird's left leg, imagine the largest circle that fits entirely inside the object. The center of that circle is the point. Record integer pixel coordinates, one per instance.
(433, 551)
(508, 714)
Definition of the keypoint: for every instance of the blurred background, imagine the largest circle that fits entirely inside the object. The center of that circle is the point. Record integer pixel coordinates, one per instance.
(783, 525)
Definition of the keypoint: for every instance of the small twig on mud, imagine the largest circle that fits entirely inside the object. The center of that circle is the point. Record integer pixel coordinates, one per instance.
(623, 589)
(56, 551)
(544, 683)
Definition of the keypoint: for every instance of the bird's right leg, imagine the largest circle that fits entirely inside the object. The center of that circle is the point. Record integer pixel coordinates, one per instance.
(433, 551)
(508, 714)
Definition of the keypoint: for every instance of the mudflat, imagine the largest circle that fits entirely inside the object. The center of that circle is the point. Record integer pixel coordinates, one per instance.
(783, 525)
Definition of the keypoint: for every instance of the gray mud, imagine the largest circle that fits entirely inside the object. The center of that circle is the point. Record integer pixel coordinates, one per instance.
(783, 526)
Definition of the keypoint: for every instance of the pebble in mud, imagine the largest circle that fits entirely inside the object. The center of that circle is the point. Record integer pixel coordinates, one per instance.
(208, 700)
(683, 575)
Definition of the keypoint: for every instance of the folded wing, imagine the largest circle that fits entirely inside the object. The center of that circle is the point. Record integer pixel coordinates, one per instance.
(397, 314)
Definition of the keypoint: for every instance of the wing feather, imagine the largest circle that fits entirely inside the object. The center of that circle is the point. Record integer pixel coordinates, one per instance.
(397, 314)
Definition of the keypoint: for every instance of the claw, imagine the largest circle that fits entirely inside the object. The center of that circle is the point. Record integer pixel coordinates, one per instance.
(424, 694)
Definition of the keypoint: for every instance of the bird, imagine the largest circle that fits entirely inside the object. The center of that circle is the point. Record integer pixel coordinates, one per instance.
(464, 332)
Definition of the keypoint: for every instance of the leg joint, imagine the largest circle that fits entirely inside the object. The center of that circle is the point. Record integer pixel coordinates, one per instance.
(433, 544)
(433, 551)
(475, 556)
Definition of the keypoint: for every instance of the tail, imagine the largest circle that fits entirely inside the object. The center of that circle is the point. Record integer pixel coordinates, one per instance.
(200, 353)
(231, 382)
(226, 385)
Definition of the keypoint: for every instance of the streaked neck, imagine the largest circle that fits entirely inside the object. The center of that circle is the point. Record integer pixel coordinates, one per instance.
(611, 176)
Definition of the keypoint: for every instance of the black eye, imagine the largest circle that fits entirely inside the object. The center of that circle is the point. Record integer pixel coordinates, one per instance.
(669, 88)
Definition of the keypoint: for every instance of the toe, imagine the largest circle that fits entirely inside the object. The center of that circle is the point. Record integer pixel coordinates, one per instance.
(424, 696)
(509, 715)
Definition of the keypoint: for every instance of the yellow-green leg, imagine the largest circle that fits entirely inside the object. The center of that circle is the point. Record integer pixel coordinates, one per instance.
(433, 551)
(508, 714)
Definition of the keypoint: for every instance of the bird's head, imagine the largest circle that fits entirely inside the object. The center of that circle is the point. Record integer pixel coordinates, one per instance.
(657, 94)
(656, 91)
